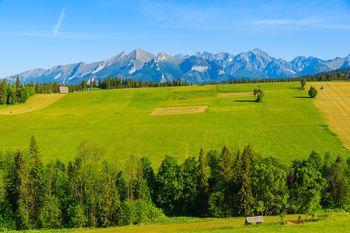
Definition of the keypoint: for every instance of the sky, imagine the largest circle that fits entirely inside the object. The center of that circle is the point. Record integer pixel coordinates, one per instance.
(44, 33)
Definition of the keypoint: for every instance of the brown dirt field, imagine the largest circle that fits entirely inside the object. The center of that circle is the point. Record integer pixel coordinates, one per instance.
(178, 110)
(34, 103)
(225, 95)
(334, 103)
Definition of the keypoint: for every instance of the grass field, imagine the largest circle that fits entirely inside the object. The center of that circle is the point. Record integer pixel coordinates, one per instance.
(283, 125)
(333, 222)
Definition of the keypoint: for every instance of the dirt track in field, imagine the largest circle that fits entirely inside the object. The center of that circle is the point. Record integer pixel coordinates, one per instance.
(334, 103)
(34, 103)
(178, 110)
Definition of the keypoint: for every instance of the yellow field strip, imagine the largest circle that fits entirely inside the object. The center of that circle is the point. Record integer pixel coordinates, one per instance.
(334, 103)
(178, 110)
(34, 103)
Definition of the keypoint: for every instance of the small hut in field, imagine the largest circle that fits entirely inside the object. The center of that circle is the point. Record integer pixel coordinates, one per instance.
(64, 90)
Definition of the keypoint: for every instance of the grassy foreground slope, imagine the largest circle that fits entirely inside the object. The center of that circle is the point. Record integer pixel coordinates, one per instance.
(334, 222)
(283, 125)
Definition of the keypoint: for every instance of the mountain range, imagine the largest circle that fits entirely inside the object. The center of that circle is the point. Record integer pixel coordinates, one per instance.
(197, 68)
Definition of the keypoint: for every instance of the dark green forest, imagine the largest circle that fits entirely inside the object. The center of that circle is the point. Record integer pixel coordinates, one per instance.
(90, 192)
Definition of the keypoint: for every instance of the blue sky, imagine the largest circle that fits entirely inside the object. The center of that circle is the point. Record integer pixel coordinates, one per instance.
(43, 33)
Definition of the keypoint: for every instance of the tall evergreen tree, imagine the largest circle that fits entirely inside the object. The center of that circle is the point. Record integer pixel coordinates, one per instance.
(34, 149)
(149, 176)
(17, 83)
(246, 194)
(203, 185)
(3, 92)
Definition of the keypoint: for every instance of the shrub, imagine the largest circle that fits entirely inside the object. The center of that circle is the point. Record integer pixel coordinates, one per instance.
(312, 92)
(259, 94)
(139, 212)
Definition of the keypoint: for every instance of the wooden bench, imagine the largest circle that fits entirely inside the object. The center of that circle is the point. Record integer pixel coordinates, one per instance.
(254, 219)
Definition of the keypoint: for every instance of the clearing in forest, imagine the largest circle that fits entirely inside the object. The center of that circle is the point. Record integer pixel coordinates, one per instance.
(34, 103)
(333, 101)
(178, 110)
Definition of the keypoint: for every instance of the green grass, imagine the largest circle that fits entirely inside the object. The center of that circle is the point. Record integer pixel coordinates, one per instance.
(333, 222)
(119, 120)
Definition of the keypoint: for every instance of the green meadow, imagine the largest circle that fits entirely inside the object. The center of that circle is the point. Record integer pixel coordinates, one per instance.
(284, 125)
(332, 222)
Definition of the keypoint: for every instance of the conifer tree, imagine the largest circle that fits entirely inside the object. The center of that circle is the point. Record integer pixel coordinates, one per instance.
(17, 83)
(203, 185)
(34, 149)
(3, 92)
(246, 194)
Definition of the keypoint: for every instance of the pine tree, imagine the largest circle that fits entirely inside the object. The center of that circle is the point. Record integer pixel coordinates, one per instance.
(246, 194)
(3, 92)
(149, 176)
(18, 82)
(203, 185)
(226, 165)
(19, 191)
(34, 149)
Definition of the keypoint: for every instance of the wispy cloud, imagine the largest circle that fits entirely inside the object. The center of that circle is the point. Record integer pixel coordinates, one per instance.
(59, 22)
(66, 35)
(305, 23)
(293, 22)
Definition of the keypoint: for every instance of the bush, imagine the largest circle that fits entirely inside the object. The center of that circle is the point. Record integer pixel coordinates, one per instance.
(259, 93)
(139, 212)
(312, 92)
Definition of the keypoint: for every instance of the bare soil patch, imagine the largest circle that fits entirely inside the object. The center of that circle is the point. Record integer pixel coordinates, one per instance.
(178, 110)
(34, 103)
(225, 95)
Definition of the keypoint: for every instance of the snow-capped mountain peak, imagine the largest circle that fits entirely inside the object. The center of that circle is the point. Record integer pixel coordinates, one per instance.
(200, 67)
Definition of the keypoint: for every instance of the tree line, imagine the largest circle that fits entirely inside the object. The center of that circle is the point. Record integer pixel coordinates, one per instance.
(15, 93)
(340, 75)
(89, 192)
(119, 83)
(12, 93)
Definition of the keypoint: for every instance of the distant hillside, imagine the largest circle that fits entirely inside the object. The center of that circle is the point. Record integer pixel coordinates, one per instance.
(197, 68)
(339, 74)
